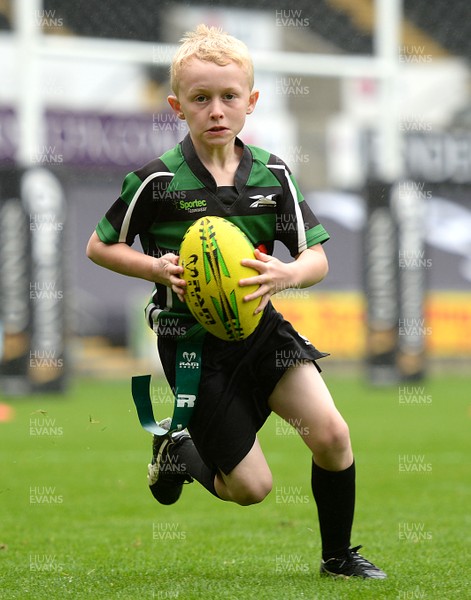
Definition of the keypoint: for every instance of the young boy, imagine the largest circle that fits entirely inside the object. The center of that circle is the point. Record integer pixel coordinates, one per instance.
(241, 382)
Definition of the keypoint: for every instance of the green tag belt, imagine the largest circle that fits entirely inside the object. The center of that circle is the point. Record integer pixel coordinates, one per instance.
(188, 374)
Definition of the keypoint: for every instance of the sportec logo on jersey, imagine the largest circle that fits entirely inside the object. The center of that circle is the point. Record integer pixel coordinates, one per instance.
(192, 205)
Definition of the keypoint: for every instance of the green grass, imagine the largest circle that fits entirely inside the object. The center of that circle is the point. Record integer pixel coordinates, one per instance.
(99, 535)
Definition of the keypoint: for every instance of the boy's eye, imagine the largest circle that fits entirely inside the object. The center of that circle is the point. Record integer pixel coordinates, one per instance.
(203, 98)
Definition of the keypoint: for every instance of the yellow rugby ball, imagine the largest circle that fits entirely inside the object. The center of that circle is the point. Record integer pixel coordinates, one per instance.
(210, 253)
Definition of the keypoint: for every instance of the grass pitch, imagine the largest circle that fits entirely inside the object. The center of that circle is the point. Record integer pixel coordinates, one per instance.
(77, 520)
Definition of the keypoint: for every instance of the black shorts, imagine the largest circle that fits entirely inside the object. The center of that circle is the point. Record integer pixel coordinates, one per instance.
(236, 381)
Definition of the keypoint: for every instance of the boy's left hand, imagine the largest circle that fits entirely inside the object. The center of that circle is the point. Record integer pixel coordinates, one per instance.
(272, 277)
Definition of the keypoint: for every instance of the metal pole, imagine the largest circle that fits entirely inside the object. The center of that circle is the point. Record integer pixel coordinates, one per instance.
(387, 42)
(27, 17)
(147, 53)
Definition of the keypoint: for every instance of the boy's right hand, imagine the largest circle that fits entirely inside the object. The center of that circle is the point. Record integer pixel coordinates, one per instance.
(121, 258)
(167, 271)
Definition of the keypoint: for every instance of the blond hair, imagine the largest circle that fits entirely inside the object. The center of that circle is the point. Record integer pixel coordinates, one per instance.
(213, 45)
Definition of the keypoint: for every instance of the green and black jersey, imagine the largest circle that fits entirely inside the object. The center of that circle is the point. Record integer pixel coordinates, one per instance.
(162, 199)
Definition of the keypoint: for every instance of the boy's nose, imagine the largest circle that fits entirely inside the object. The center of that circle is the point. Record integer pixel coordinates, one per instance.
(216, 110)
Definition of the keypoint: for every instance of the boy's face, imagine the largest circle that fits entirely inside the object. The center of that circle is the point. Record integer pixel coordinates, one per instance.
(214, 100)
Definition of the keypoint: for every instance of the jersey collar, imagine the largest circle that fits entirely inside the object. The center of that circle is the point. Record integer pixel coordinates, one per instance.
(202, 173)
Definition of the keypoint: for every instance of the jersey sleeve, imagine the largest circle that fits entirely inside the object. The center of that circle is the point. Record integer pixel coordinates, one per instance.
(131, 213)
(297, 227)
(110, 226)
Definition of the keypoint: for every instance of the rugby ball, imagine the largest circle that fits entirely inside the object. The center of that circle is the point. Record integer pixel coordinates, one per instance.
(210, 254)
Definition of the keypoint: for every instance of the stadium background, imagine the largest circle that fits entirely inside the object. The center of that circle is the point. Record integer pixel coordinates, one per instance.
(104, 116)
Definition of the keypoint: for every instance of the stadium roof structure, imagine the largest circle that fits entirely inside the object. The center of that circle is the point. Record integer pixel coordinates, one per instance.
(347, 25)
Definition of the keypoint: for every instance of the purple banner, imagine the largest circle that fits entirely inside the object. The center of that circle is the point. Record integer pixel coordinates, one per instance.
(95, 140)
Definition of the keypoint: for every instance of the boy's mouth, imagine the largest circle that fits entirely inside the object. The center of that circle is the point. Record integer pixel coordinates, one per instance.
(218, 128)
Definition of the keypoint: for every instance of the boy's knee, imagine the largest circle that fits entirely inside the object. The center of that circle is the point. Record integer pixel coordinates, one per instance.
(253, 492)
(335, 437)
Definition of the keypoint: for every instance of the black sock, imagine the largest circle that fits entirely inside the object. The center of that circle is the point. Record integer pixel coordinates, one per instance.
(334, 493)
(188, 455)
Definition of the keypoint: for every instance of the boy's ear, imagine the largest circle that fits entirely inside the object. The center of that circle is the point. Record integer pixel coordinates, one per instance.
(252, 101)
(176, 107)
